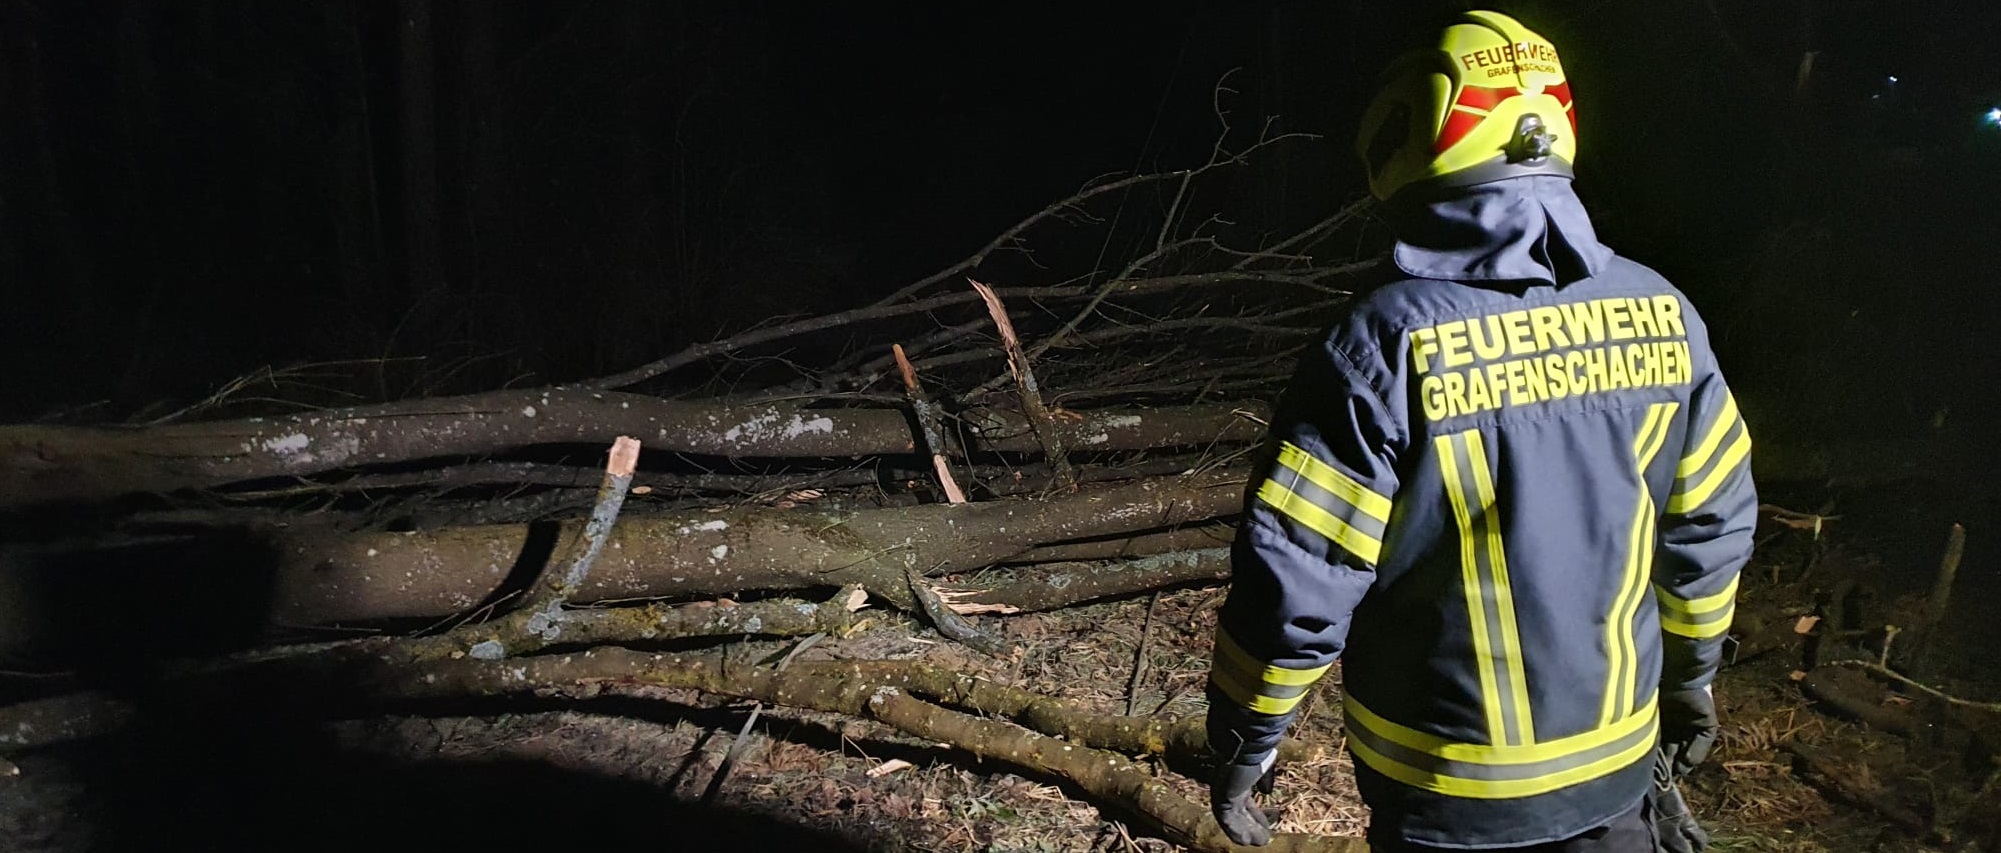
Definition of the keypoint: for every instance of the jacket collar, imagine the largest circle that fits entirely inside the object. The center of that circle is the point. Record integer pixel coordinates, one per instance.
(1530, 229)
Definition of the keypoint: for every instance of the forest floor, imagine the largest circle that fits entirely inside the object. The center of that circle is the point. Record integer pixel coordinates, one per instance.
(616, 771)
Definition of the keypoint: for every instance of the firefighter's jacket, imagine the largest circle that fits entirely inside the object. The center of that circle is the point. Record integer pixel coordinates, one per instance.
(1508, 484)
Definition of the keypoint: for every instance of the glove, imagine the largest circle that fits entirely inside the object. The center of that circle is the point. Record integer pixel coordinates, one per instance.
(1230, 798)
(1675, 829)
(1688, 728)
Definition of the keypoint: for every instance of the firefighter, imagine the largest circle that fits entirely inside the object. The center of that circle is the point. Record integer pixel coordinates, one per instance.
(1510, 491)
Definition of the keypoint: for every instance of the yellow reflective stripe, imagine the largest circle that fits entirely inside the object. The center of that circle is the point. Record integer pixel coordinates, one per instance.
(1497, 772)
(1504, 593)
(1707, 604)
(1701, 631)
(1496, 754)
(1622, 650)
(1334, 481)
(1469, 577)
(1316, 518)
(1682, 503)
(1248, 696)
(1482, 789)
(1497, 652)
(1261, 687)
(1619, 647)
(1699, 618)
(1228, 649)
(1647, 430)
(1725, 419)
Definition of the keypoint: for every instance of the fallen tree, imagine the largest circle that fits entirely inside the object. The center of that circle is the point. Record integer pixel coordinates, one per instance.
(778, 468)
(477, 661)
(1092, 752)
(327, 577)
(43, 464)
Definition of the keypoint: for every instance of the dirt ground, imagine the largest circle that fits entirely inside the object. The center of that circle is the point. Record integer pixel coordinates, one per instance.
(624, 771)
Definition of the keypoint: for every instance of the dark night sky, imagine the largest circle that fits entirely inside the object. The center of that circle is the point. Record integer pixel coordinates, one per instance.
(190, 191)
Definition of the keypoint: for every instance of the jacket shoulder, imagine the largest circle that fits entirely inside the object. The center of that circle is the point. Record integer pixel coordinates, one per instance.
(1624, 272)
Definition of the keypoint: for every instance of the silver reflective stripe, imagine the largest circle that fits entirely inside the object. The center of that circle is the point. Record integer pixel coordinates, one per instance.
(1335, 505)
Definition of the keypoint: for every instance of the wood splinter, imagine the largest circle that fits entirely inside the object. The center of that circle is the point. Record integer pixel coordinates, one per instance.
(930, 426)
(1039, 417)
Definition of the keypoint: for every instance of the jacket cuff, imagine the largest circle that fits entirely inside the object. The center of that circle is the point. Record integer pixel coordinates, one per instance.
(1240, 736)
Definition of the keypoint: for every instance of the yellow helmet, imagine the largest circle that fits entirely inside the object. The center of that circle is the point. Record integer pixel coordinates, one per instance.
(1490, 102)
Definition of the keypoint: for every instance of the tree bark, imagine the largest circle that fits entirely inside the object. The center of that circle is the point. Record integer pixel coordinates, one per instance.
(335, 577)
(1060, 585)
(42, 464)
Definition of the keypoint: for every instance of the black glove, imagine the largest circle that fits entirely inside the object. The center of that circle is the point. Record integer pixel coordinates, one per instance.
(1675, 829)
(1230, 798)
(1688, 728)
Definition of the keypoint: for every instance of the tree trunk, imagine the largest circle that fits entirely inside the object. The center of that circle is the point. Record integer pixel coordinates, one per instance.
(41, 464)
(340, 577)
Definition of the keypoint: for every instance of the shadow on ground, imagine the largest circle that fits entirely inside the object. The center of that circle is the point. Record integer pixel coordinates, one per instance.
(277, 790)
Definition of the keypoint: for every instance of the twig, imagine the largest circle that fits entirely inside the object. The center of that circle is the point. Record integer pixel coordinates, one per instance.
(1139, 655)
(263, 375)
(1031, 397)
(1265, 326)
(1893, 675)
(1889, 637)
(1074, 203)
(881, 311)
(1341, 217)
(1014, 233)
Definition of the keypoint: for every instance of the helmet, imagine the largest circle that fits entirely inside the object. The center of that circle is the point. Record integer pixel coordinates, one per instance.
(1490, 102)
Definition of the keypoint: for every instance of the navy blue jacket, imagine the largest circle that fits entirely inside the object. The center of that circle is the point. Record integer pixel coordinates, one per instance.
(1506, 488)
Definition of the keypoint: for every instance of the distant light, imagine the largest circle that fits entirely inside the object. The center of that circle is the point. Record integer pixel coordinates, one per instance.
(1893, 78)
(1994, 117)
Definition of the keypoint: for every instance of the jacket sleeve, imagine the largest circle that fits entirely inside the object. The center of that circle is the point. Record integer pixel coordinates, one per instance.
(1706, 536)
(1315, 516)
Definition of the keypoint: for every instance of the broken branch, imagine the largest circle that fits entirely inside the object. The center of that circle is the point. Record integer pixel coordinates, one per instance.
(1038, 414)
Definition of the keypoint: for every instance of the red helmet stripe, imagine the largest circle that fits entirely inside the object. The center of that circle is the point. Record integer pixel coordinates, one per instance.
(1458, 124)
(1461, 120)
(1483, 97)
(1561, 92)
